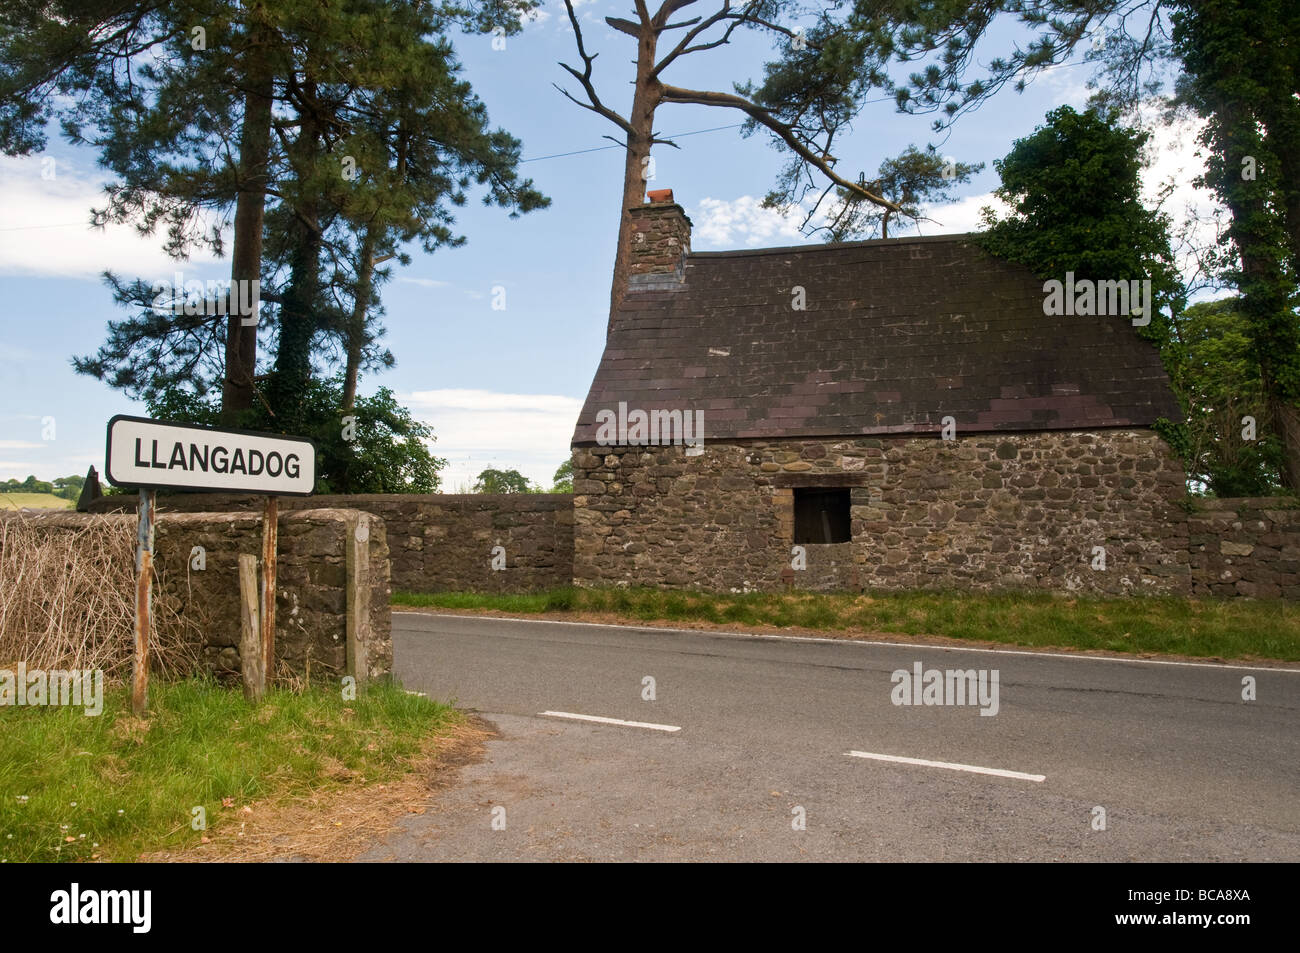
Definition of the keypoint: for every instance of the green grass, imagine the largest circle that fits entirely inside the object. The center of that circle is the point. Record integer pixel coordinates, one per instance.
(1203, 628)
(43, 501)
(119, 786)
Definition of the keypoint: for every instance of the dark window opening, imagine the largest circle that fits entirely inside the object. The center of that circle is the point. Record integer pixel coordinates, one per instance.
(821, 516)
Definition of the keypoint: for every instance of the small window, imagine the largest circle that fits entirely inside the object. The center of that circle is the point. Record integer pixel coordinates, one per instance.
(821, 516)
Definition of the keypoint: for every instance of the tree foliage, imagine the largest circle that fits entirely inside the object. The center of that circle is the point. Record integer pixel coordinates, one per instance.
(381, 449)
(346, 129)
(1213, 370)
(1074, 187)
(501, 481)
(922, 56)
(30, 485)
(1240, 74)
(912, 179)
(562, 481)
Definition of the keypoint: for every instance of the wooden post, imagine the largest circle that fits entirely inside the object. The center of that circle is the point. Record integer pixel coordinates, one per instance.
(250, 634)
(270, 528)
(359, 630)
(143, 602)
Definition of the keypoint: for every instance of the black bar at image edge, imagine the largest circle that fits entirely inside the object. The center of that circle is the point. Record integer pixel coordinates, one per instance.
(339, 902)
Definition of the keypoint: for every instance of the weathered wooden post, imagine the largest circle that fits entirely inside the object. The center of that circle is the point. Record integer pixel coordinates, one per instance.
(270, 547)
(359, 631)
(147, 454)
(251, 661)
(143, 601)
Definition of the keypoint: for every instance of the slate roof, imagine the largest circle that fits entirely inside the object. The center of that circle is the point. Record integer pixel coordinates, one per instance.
(898, 333)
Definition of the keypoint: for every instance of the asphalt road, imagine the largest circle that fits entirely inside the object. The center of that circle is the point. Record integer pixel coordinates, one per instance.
(1184, 768)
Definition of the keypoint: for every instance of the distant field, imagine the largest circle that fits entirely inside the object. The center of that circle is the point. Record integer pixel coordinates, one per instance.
(43, 501)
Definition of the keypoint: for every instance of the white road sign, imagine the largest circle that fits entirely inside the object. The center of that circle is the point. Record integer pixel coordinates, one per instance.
(154, 453)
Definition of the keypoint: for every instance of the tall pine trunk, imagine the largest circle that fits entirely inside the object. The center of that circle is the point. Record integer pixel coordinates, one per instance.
(237, 390)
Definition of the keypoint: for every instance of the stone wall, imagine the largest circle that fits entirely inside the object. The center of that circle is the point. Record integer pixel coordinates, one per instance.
(446, 542)
(440, 541)
(332, 601)
(1245, 547)
(979, 512)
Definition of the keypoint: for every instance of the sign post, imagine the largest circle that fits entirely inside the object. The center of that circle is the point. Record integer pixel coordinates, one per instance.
(250, 632)
(270, 539)
(143, 602)
(151, 454)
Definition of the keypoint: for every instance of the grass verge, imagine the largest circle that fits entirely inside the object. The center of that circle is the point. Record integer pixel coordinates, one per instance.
(75, 788)
(1236, 629)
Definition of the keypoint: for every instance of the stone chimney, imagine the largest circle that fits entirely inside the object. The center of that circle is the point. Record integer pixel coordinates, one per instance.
(661, 240)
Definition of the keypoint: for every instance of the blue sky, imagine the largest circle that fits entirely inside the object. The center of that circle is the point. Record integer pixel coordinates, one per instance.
(500, 388)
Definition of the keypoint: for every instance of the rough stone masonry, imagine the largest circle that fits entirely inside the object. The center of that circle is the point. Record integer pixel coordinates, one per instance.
(1006, 511)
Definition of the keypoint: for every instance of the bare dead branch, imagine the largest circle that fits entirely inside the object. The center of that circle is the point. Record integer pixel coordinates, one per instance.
(624, 26)
(594, 104)
(668, 9)
(683, 45)
(675, 94)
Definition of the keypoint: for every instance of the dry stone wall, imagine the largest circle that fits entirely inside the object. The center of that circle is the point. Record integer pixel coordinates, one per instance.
(441, 541)
(1024, 511)
(1245, 547)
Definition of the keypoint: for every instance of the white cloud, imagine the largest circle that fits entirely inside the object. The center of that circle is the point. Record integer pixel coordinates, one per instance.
(1067, 83)
(962, 215)
(1172, 151)
(721, 224)
(479, 429)
(19, 445)
(554, 8)
(45, 230)
(743, 222)
(424, 282)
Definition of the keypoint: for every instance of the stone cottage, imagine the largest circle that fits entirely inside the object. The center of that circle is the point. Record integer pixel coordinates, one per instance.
(880, 414)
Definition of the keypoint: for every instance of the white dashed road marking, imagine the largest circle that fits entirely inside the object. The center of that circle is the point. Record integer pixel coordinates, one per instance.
(610, 721)
(972, 768)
